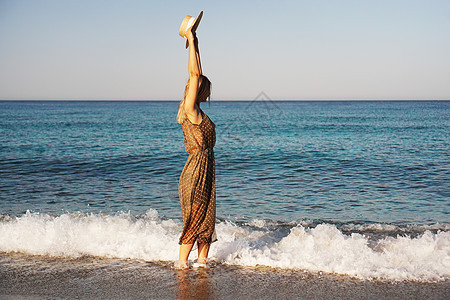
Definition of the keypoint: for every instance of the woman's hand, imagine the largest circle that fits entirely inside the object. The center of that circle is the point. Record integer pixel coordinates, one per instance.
(195, 41)
(192, 37)
(189, 34)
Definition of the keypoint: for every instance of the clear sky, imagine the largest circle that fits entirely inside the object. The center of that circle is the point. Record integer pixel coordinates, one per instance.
(291, 50)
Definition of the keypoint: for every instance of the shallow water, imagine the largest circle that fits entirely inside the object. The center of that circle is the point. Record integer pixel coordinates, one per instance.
(90, 277)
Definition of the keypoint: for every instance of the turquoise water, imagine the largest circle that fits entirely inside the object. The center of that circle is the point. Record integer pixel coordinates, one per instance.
(352, 188)
(283, 161)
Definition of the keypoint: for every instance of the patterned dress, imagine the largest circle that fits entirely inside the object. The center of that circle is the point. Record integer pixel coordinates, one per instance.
(196, 187)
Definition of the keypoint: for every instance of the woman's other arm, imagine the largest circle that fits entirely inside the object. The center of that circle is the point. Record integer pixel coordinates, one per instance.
(195, 70)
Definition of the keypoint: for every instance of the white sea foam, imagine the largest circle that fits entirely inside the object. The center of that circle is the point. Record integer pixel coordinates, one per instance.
(121, 235)
(325, 248)
(321, 249)
(393, 228)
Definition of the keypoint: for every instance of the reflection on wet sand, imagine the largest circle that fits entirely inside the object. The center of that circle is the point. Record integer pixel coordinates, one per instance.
(42, 277)
(194, 284)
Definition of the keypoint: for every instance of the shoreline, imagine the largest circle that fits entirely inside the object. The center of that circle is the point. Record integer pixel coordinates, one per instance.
(23, 276)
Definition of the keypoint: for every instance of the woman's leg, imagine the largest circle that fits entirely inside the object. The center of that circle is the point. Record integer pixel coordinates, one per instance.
(185, 249)
(203, 250)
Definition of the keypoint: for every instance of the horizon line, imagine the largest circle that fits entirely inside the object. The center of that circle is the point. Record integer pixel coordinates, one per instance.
(222, 100)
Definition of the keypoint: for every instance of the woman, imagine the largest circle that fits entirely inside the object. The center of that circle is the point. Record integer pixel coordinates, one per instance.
(196, 187)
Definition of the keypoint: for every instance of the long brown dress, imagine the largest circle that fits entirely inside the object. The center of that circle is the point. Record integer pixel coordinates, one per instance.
(197, 183)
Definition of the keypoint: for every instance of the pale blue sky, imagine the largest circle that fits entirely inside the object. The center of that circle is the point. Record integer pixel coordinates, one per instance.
(291, 50)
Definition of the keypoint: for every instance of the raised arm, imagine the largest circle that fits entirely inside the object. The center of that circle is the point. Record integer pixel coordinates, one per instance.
(195, 70)
(197, 51)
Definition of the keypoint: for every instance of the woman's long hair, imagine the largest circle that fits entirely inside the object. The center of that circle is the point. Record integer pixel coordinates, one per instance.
(203, 90)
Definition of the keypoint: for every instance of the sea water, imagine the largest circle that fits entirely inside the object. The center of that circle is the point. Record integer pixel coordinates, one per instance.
(354, 188)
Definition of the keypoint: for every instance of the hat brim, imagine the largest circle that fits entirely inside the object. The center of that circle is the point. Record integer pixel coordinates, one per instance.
(196, 23)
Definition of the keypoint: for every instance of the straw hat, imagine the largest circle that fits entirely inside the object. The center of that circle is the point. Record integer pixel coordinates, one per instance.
(189, 22)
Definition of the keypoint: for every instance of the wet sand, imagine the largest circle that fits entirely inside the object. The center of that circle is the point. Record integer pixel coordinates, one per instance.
(39, 277)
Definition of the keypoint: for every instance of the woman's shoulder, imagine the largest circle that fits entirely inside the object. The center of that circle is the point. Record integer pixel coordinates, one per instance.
(196, 117)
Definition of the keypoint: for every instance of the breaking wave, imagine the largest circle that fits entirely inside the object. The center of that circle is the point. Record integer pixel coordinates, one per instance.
(366, 251)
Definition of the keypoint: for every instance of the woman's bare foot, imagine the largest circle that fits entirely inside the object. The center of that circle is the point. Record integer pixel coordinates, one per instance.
(200, 263)
(202, 260)
(181, 265)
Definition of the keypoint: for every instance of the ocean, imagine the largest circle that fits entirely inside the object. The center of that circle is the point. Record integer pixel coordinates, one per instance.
(358, 189)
